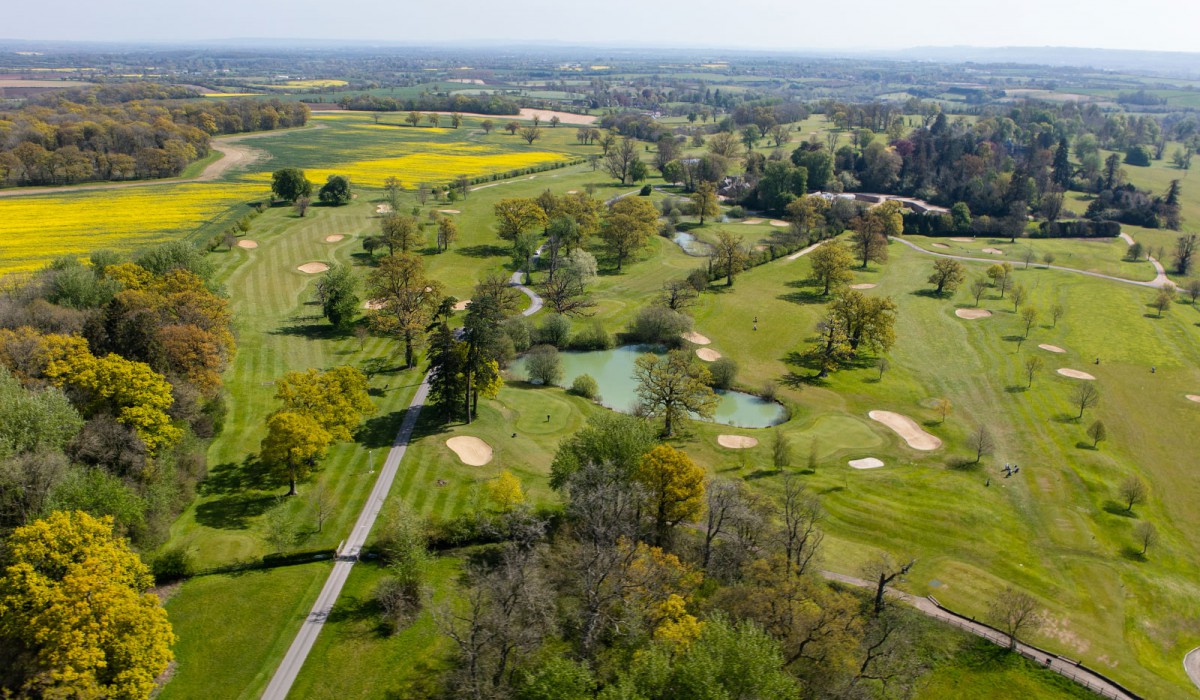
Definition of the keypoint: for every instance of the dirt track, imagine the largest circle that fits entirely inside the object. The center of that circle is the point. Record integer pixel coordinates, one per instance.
(234, 154)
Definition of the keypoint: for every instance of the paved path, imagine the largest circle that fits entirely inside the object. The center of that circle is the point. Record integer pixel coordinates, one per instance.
(1191, 664)
(805, 251)
(1157, 283)
(1063, 666)
(535, 301)
(233, 154)
(285, 675)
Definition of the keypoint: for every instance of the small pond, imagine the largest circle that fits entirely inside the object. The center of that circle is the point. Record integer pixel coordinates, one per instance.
(690, 245)
(613, 371)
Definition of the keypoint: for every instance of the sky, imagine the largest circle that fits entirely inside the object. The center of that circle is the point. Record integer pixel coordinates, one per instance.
(798, 25)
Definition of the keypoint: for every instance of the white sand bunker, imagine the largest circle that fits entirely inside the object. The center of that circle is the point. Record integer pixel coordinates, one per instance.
(462, 305)
(1193, 397)
(334, 238)
(313, 268)
(941, 245)
(752, 221)
(247, 244)
(963, 240)
(864, 285)
(866, 463)
(374, 304)
(736, 442)
(780, 224)
(708, 354)
(993, 251)
(383, 209)
(1074, 373)
(572, 191)
(972, 313)
(908, 429)
(694, 337)
(1051, 348)
(449, 211)
(471, 450)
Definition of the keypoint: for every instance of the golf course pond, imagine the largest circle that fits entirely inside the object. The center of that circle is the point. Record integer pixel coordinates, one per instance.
(613, 371)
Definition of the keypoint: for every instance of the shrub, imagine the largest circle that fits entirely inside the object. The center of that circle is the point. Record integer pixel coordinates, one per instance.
(555, 330)
(658, 324)
(399, 602)
(698, 278)
(543, 365)
(594, 337)
(645, 191)
(519, 332)
(724, 372)
(769, 391)
(736, 212)
(1138, 155)
(173, 564)
(586, 386)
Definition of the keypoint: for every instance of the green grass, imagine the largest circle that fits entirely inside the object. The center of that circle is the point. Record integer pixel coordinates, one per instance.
(1105, 256)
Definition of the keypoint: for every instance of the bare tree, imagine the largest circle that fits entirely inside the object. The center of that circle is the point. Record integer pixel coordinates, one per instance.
(1133, 491)
(982, 442)
(1146, 535)
(1085, 396)
(1014, 612)
(1033, 365)
(883, 570)
(943, 407)
(801, 513)
(321, 501)
(531, 134)
(677, 294)
(1097, 432)
(1056, 313)
(722, 499)
(566, 294)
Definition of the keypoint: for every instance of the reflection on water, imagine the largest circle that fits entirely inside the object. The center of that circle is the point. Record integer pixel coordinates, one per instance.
(613, 371)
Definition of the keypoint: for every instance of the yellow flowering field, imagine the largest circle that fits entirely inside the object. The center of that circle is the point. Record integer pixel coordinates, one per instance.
(36, 228)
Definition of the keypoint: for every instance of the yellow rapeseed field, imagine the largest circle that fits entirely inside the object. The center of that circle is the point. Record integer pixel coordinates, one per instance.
(36, 228)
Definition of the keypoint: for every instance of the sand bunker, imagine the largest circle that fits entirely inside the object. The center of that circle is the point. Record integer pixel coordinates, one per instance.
(383, 209)
(247, 244)
(781, 224)
(866, 463)
(334, 238)
(572, 191)
(941, 245)
(736, 442)
(752, 221)
(374, 305)
(694, 337)
(313, 268)
(708, 354)
(908, 429)
(1051, 348)
(462, 305)
(1193, 397)
(972, 313)
(471, 450)
(963, 240)
(864, 285)
(449, 211)
(993, 251)
(1074, 373)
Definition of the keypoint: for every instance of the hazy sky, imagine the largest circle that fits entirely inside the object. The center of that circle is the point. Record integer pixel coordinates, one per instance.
(769, 24)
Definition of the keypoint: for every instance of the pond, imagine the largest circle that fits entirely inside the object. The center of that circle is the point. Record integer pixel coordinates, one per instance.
(613, 371)
(690, 245)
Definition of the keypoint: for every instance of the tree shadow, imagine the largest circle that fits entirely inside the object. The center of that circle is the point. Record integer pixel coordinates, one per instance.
(930, 294)
(1016, 388)
(1113, 508)
(379, 432)
(310, 331)
(232, 478)
(831, 489)
(963, 464)
(1066, 418)
(1084, 445)
(804, 297)
(761, 474)
(1133, 554)
(233, 512)
(483, 250)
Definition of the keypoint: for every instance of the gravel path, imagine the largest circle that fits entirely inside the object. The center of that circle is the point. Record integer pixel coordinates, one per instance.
(1191, 664)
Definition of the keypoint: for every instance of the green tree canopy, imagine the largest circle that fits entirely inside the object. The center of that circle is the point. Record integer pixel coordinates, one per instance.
(290, 184)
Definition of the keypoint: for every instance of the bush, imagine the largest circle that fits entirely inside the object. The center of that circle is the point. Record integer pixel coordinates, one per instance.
(736, 212)
(594, 337)
(769, 391)
(586, 386)
(172, 564)
(698, 278)
(724, 373)
(1138, 155)
(519, 332)
(645, 191)
(659, 325)
(543, 365)
(399, 600)
(555, 330)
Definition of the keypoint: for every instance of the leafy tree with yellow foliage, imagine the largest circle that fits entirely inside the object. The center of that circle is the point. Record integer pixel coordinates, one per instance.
(674, 488)
(293, 444)
(76, 620)
(336, 399)
(505, 492)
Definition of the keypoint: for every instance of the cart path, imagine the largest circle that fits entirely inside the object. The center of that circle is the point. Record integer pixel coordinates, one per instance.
(1191, 664)
(234, 154)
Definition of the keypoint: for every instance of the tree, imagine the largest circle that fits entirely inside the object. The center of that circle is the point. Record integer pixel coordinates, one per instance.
(1029, 316)
(943, 407)
(1057, 311)
(337, 398)
(1193, 290)
(531, 134)
(781, 449)
(960, 216)
(76, 617)
(505, 491)
(982, 442)
(290, 184)
(335, 191)
(336, 292)
(447, 233)
(1146, 535)
(413, 118)
(1185, 252)
(868, 240)
(673, 386)
(402, 232)
(567, 294)
(1163, 300)
(705, 200)
(517, 215)
(434, 119)
(947, 275)
(1033, 365)
(293, 444)
(869, 322)
(831, 347)
(979, 285)
(613, 440)
(301, 205)
(1019, 295)
(677, 294)
(1085, 396)
(543, 365)
(831, 266)
(487, 125)
(730, 255)
(1014, 612)
(408, 299)
(630, 223)
(1097, 432)
(1132, 491)
(674, 488)
(881, 571)
(1001, 276)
